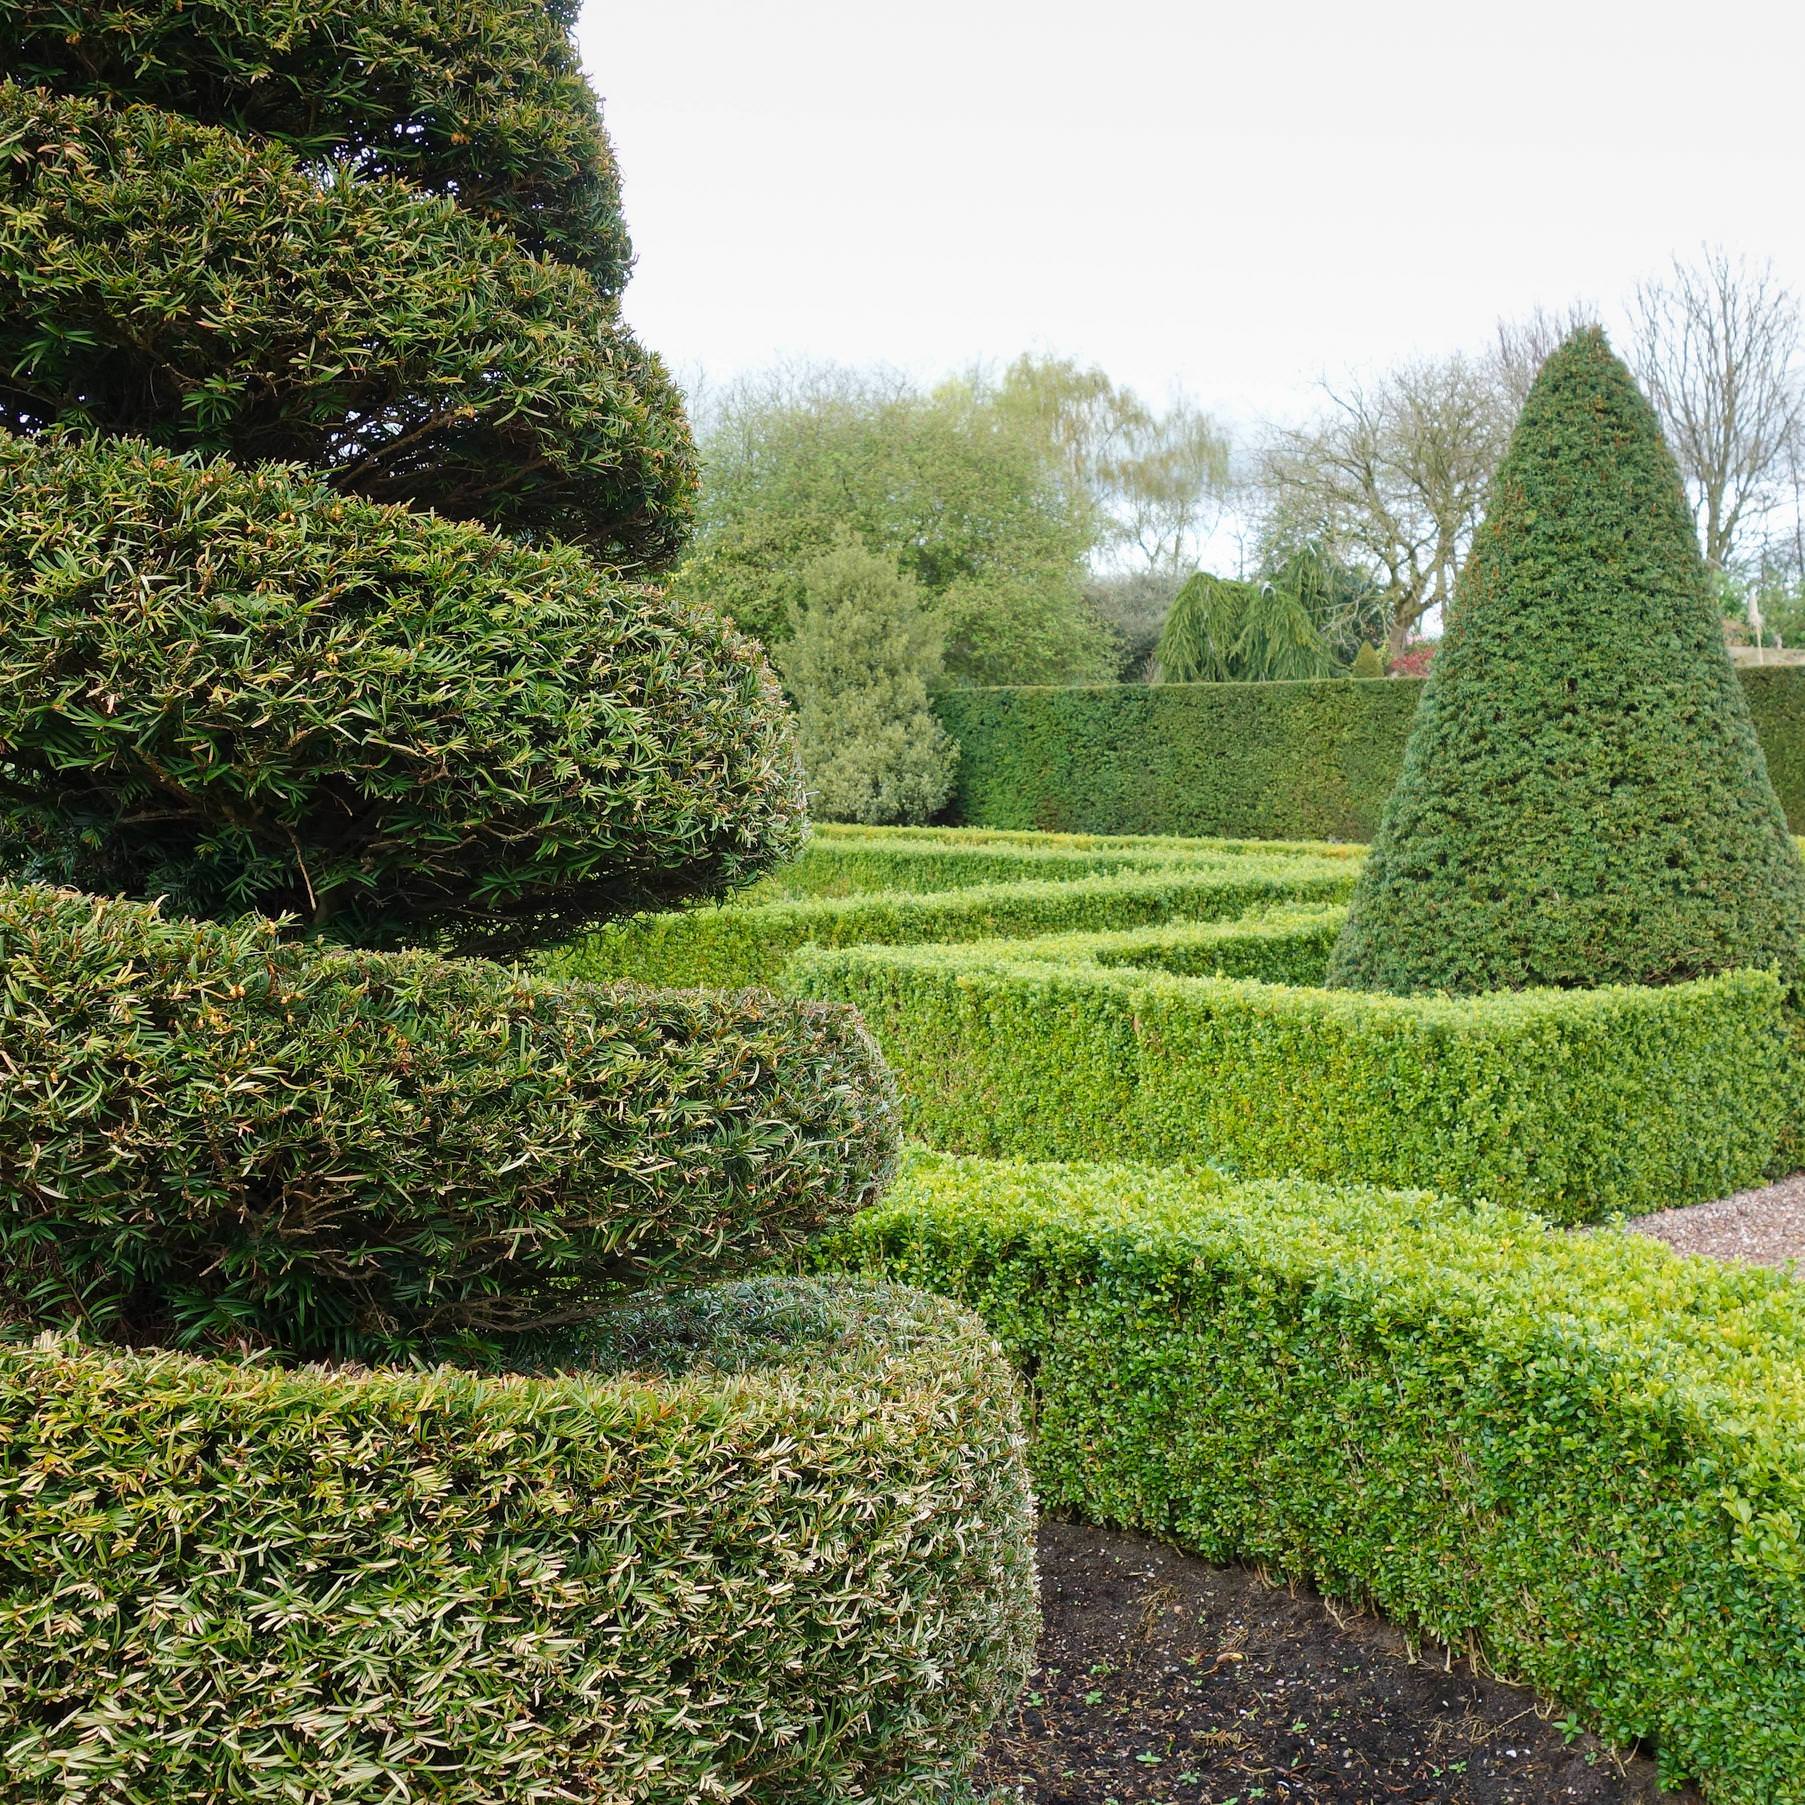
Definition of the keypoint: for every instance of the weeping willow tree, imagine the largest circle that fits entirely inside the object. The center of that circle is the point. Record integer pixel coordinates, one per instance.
(1221, 630)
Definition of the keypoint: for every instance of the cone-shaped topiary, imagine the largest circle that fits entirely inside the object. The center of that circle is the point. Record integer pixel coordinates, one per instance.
(1367, 662)
(1583, 800)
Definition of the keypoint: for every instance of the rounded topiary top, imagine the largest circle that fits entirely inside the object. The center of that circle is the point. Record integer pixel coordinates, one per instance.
(1583, 800)
(481, 99)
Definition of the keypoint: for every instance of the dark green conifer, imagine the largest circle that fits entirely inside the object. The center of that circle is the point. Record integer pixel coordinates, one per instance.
(1583, 800)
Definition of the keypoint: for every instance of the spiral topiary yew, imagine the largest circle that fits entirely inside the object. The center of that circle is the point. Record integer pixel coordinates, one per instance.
(1583, 800)
(333, 495)
(331, 507)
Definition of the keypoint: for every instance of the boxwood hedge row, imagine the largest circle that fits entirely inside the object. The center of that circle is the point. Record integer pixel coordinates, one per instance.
(240, 690)
(1577, 1454)
(212, 1137)
(765, 1543)
(1578, 1104)
(1275, 946)
(1034, 840)
(181, 282)
(1271, 760)
(750, 943)
(850, 864)
(484, 99)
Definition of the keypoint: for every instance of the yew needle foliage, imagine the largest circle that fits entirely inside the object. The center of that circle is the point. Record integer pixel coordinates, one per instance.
(483, 99)
(240, 690)
(176, 281)
(209, 1137)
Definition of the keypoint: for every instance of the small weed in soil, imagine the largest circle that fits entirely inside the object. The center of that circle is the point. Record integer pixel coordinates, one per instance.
(1166, 1681)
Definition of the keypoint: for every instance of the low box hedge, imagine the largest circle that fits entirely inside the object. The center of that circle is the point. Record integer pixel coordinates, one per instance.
(1276, 946)
(750, 944)
(776, 1544)
(208, 1135)
(1312, 761)
(1579, 1104)
(947, 833)
(845, 864)
(1578, 1455)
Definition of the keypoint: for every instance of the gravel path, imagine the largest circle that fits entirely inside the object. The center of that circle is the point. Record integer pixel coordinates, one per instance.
(1765, 1227)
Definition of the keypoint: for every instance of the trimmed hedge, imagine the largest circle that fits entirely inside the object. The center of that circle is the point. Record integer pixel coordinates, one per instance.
(239, 690)
(950, 860)
(749, 944)
(1312, 761)
(1580, 1454)
(1578, 1104)
(1277, 946)
(178, 281)
(484, 99)
(776, 1547)
(1583, 799)
(836, 833)
(213, 1138)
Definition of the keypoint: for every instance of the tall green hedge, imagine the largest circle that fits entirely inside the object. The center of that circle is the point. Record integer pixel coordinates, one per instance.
(1583, 799)
(1288, 761)
(484, 99)
(767, 1543)
(210, 1137)
(1579, 1454)
(1579, 1104)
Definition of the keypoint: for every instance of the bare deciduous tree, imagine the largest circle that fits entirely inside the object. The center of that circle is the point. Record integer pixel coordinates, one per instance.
(1717, 350)
(1523, 346)
(1392, 477)
(1155, 482)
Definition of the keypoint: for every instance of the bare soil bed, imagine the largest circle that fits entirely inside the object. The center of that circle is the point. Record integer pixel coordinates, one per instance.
(1164, 1680)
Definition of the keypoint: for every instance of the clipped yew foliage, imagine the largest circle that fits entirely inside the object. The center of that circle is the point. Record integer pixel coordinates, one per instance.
(177, 281)
(211, 1137)
(774, 1545)
(484, 99)
(1583, 800)
(242, 691)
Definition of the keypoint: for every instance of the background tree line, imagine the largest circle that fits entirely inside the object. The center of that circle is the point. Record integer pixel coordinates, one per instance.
(1043, 524)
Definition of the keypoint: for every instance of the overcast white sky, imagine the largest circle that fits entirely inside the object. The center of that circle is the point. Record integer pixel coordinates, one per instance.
(1224, 199)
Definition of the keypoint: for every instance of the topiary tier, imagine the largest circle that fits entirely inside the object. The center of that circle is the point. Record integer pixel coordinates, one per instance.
(414, 682)
(760, 1542)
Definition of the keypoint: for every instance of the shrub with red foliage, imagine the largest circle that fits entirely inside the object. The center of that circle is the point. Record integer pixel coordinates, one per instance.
(1416, 661)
